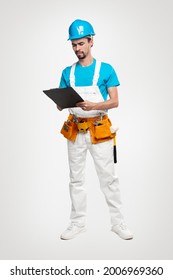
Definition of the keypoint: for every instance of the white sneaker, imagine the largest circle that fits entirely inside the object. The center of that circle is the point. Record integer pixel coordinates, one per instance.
(123, 231)
(72, 231)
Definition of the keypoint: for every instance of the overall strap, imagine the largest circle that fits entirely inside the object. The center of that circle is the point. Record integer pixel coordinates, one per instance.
(95, 78)
(96, 73)
(72, 76)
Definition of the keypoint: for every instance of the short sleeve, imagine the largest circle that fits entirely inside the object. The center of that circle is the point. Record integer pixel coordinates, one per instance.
(112, 80)
(65, 78)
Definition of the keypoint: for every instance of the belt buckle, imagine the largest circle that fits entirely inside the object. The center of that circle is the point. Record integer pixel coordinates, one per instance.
(82, 126)
(83, 131)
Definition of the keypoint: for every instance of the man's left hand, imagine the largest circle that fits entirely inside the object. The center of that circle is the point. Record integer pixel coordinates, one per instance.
(85, 105)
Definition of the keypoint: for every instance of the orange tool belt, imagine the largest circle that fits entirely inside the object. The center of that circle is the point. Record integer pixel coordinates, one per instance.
(99, 128)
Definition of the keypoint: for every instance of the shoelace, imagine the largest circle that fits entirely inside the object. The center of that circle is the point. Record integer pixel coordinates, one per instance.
(72, 226)
(123, 226)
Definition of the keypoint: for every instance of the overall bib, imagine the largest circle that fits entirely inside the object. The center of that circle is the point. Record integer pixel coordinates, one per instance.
(90, 93)
(102, 154)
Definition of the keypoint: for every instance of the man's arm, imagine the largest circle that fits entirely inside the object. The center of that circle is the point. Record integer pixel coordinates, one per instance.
(105, 105)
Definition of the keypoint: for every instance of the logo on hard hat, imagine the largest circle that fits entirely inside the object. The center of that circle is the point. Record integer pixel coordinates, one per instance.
(80, 30)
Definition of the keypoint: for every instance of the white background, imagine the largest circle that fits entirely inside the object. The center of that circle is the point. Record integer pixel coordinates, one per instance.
(135, 37)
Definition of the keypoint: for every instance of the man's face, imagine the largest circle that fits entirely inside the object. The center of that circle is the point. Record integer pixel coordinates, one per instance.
(82, 47)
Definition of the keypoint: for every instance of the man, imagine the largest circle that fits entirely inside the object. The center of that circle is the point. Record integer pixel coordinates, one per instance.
(89, 128)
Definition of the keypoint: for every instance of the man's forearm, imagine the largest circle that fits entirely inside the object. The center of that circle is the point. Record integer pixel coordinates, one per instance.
(105, 105)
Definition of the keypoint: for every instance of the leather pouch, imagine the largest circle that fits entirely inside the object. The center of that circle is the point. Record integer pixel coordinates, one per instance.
(69, 130)
(102, 129)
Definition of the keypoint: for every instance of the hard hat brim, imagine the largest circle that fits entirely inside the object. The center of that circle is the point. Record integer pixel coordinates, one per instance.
(80, 37)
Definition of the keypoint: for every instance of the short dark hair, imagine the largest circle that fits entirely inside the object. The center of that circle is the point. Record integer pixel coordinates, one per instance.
(89, 38)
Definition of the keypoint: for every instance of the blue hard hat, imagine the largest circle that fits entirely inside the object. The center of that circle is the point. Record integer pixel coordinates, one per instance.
(79, 29)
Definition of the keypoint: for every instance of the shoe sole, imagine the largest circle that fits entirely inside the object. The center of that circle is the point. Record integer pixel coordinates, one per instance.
(128, 238)
(75, 235)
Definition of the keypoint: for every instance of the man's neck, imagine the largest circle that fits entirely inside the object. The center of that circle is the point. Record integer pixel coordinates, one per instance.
(86, 61)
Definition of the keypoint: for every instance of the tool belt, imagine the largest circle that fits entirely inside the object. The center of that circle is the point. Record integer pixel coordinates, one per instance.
(99, 128)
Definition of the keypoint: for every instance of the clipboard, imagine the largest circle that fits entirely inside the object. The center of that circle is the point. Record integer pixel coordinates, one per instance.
(64, 97)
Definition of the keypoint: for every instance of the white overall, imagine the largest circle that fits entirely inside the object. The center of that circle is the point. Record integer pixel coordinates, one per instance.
(90, 93)
(102, 154)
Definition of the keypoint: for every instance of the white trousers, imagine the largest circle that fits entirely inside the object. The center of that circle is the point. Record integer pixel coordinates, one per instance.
(102, 154)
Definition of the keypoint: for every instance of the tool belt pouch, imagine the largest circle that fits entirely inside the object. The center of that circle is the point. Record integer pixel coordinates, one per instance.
(83, 126)
(69, 130)
(102, 129)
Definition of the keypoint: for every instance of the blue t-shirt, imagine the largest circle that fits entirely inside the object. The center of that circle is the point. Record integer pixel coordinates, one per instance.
(84, 77)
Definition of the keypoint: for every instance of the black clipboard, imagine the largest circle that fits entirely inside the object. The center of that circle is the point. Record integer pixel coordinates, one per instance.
(64, 97)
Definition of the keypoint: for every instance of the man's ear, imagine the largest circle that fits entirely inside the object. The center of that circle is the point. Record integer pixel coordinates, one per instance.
(92, 42)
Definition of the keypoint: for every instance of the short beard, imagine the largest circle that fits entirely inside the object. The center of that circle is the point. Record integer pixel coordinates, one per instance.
(81, 57)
